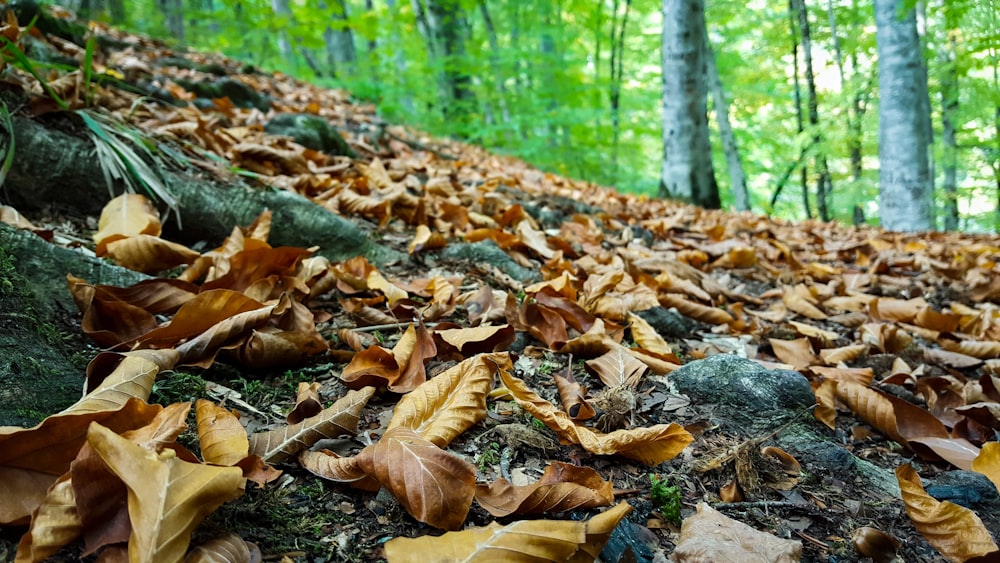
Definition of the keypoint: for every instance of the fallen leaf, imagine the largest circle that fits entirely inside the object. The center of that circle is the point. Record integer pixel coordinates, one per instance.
(222, 438)
(229, 548)
(709, 536)
(434, 486)
(522, 541)
(340, 418)
(452, 402)
(988, 462)
(307, 402)
(650, 445)
(563, 487)
(167, 497)
(955, 531)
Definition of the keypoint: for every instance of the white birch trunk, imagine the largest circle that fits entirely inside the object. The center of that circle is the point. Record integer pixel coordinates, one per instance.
(905, 186)
(687, 172)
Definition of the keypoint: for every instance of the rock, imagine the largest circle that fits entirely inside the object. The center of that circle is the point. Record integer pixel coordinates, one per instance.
(242, 95)
(488, 252)
(831, 458)
(966, 488)
(668, 322)
(750, 394)
(310, 131)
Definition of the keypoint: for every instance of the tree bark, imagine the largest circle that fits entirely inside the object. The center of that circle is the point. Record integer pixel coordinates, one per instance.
(173, 11)
(905, 186)
(340, 54)
(737, 178)
(282, 10)
(687, 157)
(949, 111)
(617, 54)
(823, 181)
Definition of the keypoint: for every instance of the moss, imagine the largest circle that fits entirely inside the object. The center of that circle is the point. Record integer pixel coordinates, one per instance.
(667, 498)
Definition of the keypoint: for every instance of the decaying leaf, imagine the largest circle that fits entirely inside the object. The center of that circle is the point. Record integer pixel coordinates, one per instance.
(307, 402)
(444, 407)
(709, 536)
(222, 438)
(230, 548)
(522, 541)
(563, 487)
(54, 524)
(573, 396)
(167, 497)
(955, 531)
(988, 462)
(650, 445)
(32, 459)
(434, 486)
(340, 418)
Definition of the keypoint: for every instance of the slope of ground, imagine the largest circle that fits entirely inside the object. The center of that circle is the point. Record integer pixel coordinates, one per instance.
(443, 274)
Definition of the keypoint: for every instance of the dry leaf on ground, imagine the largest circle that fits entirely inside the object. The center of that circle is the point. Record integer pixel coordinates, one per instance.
(523, 541)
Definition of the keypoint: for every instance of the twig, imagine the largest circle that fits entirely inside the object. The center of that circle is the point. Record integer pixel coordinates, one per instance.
(390, 326)
(421, 147)
(765, 504)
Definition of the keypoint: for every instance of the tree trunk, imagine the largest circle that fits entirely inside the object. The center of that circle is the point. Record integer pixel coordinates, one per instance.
(687, 156)
(904, 180)
(173, 12)
(598, 35)
(823, 182)
(441, 23)
(949, 111)
(339, 39)
(116, 8)
(498, 77)
(617, 64)
(282, 10)
(737, 178)
(799, 122)
(399, 59)
(855, 110)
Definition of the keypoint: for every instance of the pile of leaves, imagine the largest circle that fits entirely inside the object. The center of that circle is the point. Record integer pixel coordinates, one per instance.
(429, 356)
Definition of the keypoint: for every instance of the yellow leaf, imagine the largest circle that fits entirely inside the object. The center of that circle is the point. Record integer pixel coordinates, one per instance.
(167, 497)
(955, 531)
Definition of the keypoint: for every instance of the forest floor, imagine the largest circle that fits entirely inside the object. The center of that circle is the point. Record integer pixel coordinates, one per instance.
(886, 328)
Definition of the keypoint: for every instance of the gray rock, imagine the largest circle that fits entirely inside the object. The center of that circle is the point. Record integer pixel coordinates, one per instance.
(966, 488)
(487, 252)
(668, 322)
(310, 131)
(749, 394)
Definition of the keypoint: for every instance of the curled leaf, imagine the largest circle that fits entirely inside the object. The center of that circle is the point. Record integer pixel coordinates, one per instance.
(521, 541)
(955, 531)
(561, 488)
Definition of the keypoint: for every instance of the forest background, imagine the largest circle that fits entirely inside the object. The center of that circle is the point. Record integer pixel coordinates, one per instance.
(575, 86)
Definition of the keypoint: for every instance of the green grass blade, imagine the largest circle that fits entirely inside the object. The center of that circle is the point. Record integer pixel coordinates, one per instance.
(12, 50)
(8, 155)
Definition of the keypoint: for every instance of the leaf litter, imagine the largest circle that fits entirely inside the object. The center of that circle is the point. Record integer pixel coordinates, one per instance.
(431, 362)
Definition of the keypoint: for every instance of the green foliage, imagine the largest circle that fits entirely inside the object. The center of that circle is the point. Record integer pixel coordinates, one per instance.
(667, 498)
(539, 75)
(489, 456)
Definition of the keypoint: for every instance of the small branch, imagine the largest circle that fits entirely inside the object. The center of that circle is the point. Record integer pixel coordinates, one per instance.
(390, 326)
(421, 147)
